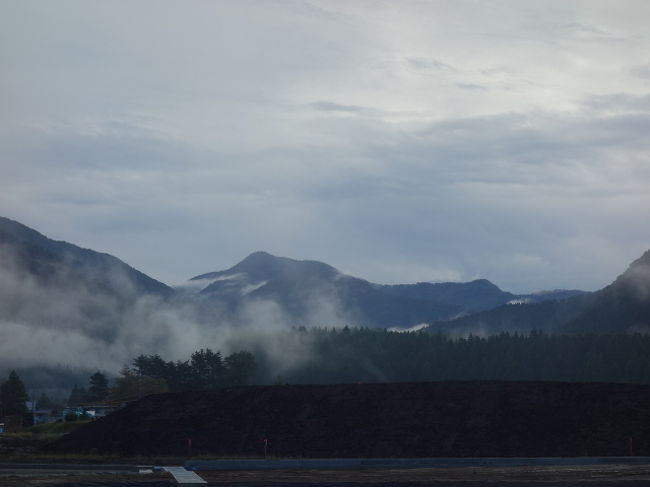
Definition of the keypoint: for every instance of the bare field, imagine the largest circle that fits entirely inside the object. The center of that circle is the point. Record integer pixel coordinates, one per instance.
(569, 475)
(556, 476)
(67, 478)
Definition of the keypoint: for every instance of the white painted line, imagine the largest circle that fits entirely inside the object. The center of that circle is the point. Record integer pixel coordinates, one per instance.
(184, 477)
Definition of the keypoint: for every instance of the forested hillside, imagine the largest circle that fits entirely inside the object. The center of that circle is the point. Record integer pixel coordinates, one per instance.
(358, 355)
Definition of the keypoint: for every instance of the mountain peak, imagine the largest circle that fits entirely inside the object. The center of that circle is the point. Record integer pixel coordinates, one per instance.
(644, 260)
(259, 257)
(264, 266)
(636, 279)
(485, 284)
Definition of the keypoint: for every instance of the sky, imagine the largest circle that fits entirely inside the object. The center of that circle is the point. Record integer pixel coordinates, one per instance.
(397, 141)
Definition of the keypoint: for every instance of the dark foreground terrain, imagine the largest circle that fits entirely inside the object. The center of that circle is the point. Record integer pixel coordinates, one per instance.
(532, 476)
(439, 419)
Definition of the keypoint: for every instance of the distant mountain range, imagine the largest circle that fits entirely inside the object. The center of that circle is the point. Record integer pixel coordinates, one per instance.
(37, 274)
(299, 288)
(621, 307)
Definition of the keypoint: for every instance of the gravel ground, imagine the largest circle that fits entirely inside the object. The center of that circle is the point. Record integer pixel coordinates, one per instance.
(78, 478)
(592, 475)
(541, 476)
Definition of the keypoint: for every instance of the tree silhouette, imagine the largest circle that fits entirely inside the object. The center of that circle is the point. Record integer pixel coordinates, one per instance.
(98, 389)
(13, 395)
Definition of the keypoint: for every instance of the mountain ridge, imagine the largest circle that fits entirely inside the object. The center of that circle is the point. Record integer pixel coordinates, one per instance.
(59, 287)
(287, 281)
(35, 244)
(620, 307)
(298, 287)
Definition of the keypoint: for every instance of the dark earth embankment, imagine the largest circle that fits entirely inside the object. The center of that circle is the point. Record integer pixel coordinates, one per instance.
(380, 420)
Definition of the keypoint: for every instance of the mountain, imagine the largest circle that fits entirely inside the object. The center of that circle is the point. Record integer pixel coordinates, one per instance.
(521, 317)
(313, 293)
(621, 307)
(47, 260)
(472, 296)
(51, 283)
(57, 284)
(553, 295)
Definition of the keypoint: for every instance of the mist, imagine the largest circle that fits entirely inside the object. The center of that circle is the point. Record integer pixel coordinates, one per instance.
(60, 320)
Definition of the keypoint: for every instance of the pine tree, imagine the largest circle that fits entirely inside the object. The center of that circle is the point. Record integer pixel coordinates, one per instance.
(240, 368)
(45, 402)
(207, 369)
(77, 396)
(13, 395)
(131, 385)
(98, 389)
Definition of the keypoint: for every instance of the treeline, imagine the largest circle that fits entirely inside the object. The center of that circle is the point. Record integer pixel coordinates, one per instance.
(347, 355)
(367, 355)
(205, 370)
(151, 374)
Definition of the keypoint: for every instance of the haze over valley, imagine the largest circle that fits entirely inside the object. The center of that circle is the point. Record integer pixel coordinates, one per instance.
(62, 305)
(343, 191)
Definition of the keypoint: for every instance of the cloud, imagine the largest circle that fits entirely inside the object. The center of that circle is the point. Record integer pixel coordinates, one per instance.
(63, 319)
(641, 71)
(328, 106)
(470, 86)
(393, 141)
(422, 63)
(398, 141)
(456, 179)
(618, 103)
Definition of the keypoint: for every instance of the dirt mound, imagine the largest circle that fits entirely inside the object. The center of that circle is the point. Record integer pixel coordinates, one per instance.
(17, 445)
(380, 420)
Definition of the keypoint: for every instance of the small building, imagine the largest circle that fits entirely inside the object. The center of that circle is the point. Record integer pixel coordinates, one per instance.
(91, 410)
(100, 410)
(77, 411)
(36, 415)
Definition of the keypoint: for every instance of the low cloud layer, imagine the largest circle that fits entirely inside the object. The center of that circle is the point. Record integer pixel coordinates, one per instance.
(400, 143)
(60, 320)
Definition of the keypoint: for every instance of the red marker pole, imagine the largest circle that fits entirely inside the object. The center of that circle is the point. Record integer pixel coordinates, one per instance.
(266, 445)
(189, 447)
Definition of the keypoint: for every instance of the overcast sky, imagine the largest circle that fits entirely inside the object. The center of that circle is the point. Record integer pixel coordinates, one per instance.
(399, 141)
